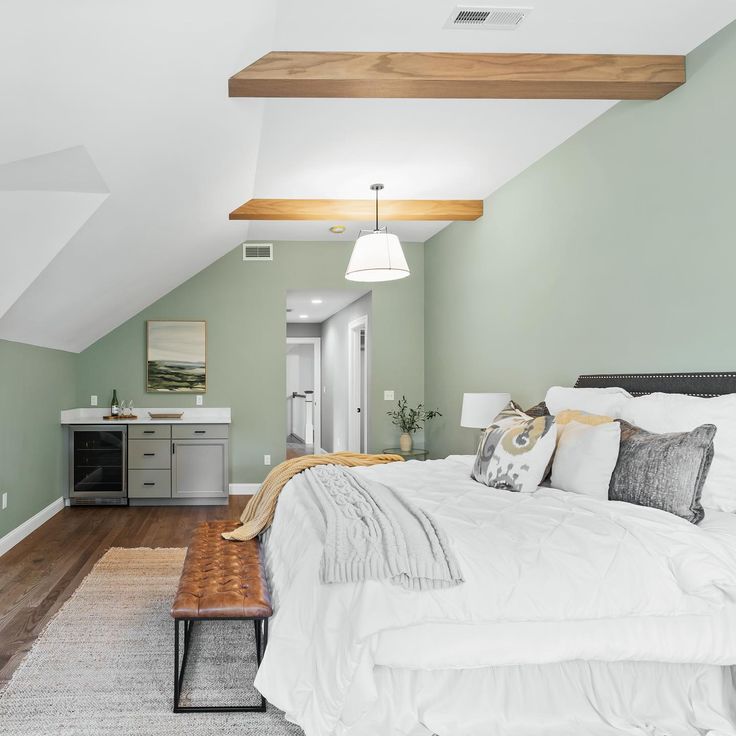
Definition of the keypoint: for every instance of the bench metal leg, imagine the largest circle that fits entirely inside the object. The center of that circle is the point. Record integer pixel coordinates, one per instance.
(261, 632)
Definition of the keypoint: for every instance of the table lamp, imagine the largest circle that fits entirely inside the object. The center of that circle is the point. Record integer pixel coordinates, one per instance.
(479, 410)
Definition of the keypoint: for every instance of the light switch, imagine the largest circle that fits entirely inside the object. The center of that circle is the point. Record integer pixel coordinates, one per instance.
(5, 501)
(93, 400)
(388, 395)
(199, 400)
(266, 459)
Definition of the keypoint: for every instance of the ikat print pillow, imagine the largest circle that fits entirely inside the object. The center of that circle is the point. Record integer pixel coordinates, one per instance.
(515, 450)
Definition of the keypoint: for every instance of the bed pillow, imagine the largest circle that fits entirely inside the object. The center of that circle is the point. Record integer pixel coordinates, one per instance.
(513, 453)
(605, 401)
(538, 410)
(585, 458)
(681, 413)
(665, 471)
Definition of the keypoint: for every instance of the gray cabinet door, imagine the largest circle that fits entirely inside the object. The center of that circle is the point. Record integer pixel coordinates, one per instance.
(199, 468)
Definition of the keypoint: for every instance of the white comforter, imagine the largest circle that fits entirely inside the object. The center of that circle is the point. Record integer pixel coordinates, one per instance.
(550, 577)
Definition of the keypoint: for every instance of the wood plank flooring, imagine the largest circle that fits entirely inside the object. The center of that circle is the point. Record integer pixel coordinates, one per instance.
(38, 575)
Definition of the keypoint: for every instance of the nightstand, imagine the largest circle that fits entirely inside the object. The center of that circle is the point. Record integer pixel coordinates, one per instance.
(416, 454)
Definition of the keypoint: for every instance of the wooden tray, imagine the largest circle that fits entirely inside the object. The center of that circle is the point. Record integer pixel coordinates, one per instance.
(120, 418)
(166, 415)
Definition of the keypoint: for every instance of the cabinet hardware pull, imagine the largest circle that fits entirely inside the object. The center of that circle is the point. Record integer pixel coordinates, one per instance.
(199, 431)
(149, 484)
(149, 431)
(149, 454)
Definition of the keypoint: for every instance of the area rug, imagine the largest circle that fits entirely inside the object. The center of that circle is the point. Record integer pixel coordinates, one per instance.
(104, 665)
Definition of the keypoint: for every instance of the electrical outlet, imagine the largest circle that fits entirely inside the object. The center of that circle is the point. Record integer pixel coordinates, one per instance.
(388, 395)
(199, 400)
(93, 400)
(5, 501)
(266, 459)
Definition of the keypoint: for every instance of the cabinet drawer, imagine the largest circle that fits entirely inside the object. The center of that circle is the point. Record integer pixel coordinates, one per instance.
(149, 484)
(154, 432)
(149, 454)
(200, 431)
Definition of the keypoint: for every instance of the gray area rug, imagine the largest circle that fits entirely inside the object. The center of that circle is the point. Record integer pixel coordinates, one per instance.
(104, 665)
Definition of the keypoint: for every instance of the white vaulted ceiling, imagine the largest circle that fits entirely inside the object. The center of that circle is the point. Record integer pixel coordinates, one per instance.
(121, 154)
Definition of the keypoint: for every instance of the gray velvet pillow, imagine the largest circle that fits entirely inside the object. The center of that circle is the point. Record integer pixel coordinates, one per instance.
(538, 410)
(665, 471)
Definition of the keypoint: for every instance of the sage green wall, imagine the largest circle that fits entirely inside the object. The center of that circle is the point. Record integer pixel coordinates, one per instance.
(614, 253)
(244, 305)
(35, 385)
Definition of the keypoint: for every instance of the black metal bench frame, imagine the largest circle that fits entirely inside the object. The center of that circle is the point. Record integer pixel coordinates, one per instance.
(261, 631)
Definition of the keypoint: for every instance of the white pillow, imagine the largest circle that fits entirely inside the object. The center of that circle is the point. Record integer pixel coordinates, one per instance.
(586, 457)
(681, 413)
(606, 401)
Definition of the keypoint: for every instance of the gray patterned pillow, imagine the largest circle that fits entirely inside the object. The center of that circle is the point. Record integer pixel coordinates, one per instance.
(665, 471)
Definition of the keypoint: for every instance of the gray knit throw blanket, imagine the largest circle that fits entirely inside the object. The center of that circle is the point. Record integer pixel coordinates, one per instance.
(373, 533)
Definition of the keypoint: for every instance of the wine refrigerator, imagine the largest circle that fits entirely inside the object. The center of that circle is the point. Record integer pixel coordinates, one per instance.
(97, 465)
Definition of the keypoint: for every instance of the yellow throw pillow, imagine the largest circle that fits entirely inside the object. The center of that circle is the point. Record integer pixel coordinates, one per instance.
(575, 415)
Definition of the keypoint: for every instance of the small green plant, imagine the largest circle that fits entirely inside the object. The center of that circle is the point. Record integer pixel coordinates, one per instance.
(410, 420)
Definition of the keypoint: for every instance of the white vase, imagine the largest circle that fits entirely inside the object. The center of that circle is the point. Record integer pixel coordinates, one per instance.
(405, 442)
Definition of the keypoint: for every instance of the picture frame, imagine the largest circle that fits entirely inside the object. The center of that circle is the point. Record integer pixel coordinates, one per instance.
(176, 356)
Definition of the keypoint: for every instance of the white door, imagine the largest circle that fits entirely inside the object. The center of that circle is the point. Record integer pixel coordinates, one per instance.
(358, 384)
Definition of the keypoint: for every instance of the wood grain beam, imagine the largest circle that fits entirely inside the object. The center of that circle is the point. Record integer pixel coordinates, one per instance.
(359, 209)
(454, 75)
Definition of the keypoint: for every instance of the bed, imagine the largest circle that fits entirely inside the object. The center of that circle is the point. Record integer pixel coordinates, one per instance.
(576, 616)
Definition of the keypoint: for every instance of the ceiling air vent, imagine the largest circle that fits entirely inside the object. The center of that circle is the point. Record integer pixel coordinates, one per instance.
(257, 251)
(493, 19)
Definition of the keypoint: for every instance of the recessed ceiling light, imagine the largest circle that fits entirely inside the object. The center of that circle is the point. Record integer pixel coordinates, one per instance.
(337, 229)
(303, 316)
(316, 301)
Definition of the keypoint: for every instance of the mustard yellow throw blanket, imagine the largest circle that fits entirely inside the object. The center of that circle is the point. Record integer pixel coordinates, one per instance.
(258, 514)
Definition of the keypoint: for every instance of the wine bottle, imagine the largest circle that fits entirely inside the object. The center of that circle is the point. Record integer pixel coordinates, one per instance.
(114, 405)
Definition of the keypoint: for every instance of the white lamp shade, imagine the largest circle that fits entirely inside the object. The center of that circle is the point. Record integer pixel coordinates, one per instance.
(377, 256)
(479, 410)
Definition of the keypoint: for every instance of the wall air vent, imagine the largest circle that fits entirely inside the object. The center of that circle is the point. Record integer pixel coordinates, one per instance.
(257, 251)
(492, 19)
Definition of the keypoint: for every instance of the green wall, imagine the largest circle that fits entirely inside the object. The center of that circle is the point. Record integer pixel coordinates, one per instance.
(244, 305)
(35, 385)
(614, 253)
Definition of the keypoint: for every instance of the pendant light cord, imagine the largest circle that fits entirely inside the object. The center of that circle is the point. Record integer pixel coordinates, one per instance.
(376, 210)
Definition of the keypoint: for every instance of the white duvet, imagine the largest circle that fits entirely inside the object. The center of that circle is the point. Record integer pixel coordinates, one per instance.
(550, 577)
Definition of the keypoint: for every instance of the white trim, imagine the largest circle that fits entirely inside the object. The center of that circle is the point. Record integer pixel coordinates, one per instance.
(354, 418)
(27, 527)
(243, 489)
(316, 343)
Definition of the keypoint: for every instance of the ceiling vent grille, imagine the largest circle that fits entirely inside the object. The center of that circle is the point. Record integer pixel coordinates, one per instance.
(257, 251)
(493, 19)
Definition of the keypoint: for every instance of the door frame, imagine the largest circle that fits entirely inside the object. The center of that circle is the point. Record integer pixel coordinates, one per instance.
(355, 418)
(316, 343)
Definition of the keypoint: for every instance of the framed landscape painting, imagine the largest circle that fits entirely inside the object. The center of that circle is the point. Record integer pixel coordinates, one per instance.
(176, 357)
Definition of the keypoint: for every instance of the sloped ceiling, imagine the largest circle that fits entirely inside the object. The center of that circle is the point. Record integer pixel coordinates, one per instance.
(121, 154)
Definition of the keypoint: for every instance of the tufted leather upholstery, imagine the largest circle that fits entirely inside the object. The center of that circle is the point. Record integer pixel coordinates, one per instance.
(222, 579)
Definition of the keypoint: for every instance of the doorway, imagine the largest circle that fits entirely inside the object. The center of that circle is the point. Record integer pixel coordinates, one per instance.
(303, 378)
(358, 384)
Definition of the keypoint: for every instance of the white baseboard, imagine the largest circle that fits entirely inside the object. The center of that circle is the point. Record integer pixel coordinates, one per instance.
(243, 489)
(21, 532)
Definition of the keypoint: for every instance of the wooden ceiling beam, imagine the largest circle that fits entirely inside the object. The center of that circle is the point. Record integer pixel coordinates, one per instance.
(336, 210)
(459, 76)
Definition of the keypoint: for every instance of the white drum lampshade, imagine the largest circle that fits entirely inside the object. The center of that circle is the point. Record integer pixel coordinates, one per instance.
(377, 256)
(479, 410)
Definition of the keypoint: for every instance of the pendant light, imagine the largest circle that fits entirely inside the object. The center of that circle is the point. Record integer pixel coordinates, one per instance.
(377, 254)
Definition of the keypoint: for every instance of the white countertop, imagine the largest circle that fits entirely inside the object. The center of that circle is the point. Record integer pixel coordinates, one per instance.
(191, 415)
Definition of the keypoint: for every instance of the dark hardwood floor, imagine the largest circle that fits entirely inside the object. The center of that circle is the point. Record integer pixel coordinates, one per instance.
(41, 572)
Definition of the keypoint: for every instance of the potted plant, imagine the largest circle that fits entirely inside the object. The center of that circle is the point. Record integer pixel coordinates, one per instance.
(410, 420)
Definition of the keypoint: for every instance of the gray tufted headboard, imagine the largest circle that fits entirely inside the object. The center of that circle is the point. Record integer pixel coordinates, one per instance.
(639, 384)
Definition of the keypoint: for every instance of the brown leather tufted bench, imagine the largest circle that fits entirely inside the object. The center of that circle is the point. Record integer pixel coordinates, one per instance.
(223, 581)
